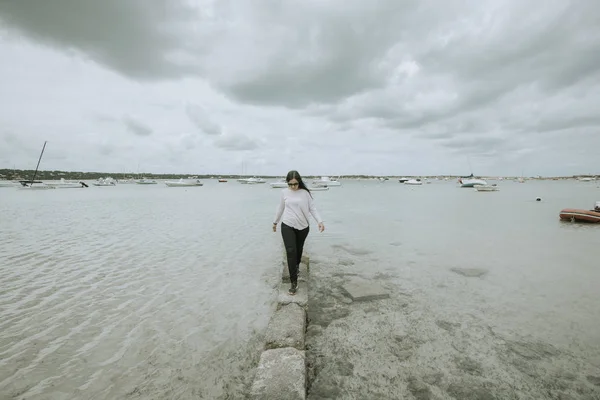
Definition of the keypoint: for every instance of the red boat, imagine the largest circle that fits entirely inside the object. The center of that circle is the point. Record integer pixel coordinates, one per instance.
(574, 214)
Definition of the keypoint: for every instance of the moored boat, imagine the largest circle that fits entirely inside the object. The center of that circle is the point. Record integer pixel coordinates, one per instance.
(486, 188)
(251, 181)
(36, 186)
(146, 181)
(105, 182)
(279, 184)
(64, 184)
(184, 183)
(326, 181)
(469, 183)
(580, 215)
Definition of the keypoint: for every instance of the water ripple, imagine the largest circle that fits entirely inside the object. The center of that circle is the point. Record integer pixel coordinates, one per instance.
(128, 291)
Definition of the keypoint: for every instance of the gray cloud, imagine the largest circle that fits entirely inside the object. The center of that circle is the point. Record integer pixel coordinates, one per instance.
(235, 142)
(136, 126)
(485, 78)
(199, 117)
(131, 37)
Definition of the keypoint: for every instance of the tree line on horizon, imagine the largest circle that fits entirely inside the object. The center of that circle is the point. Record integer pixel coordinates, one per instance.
(16, 174)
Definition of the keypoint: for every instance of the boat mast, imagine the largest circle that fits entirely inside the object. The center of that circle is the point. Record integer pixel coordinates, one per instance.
(38, 164)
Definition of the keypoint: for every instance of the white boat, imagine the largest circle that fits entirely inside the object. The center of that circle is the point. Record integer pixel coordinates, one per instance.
(33, 184)
(326, 181)
(279, 184)
(318, 188)
(251, 181)
(145, 181)
(402, 180)
(413, 182)
(36, 186)
(63, 184)
(105, 182)
(486, 188)
(184, 183)
(469, 181)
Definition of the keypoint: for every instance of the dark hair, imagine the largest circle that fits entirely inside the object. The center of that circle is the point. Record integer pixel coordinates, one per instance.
(293, 174)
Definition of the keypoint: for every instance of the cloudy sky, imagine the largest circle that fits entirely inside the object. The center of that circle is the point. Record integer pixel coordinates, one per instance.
(323, 86)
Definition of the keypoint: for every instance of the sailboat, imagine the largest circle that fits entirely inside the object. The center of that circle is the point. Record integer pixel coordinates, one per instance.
(470, 181)
(33, 184)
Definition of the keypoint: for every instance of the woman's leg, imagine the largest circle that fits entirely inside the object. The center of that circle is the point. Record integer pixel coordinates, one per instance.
(300, 239)
(289, 240)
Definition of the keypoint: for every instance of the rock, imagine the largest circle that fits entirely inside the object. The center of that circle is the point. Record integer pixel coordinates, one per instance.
(281, 375)
(363, 290)
(300, 298)
(286, 328)
(470, 272)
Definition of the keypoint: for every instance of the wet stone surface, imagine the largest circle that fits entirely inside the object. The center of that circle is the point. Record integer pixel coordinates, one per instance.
(398, 348)
(470, 272)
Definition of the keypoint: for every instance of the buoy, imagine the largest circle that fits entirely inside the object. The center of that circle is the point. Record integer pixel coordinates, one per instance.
(538, 199)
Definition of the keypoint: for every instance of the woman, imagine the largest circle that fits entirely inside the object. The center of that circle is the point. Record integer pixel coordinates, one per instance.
(296, 203)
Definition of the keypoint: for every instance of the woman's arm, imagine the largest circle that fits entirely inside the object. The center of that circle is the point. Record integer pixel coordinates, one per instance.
(280, 209)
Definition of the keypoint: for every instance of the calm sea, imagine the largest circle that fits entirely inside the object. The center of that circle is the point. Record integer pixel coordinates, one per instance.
(157, 292)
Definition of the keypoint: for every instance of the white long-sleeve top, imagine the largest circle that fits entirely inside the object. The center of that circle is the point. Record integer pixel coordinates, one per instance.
(294, 207)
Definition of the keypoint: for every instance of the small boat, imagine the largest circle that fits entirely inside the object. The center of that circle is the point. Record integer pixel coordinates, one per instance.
(222, 180)
(33, 184)
(36, 186)
(326, 181)
(63, 184)
(251, 181)
(486, 188)
(578, 215)
(413, 182)
(105, 182)
(184, 183)
(469, 183)
(145, 181)
(318, 188)
(279, 184)
(402, 180)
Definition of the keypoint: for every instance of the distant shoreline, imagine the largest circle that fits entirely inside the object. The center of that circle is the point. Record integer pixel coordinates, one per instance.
(16, 174)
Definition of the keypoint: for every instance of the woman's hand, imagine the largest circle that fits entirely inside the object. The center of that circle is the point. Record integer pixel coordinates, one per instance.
(321, 227)
(274, 227)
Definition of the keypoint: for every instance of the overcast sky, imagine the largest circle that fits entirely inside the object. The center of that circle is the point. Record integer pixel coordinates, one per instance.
(387, 87)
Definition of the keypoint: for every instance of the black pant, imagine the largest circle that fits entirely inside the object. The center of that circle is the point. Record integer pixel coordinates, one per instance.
(293, 239)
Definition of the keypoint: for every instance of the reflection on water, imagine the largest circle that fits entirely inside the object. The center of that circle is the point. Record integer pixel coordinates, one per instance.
(164, 293)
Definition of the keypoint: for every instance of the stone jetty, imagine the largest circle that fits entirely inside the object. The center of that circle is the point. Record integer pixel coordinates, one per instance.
(281, 371)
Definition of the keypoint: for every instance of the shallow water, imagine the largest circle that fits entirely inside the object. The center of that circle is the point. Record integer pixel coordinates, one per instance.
(160, 292)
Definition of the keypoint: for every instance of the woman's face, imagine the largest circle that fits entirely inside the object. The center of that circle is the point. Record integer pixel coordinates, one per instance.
(293, 184)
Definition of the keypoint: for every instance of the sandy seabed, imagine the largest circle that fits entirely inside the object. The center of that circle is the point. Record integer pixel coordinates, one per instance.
(396, 348)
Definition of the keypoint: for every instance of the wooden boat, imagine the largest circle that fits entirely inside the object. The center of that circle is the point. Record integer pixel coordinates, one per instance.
(574, 214)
